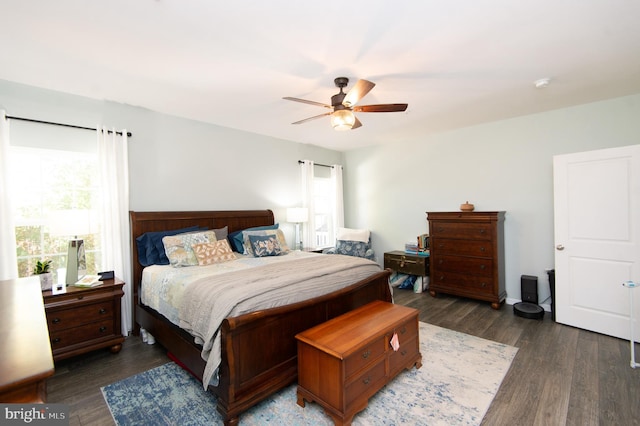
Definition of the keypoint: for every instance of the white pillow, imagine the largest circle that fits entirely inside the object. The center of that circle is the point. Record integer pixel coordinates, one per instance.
(347, 234)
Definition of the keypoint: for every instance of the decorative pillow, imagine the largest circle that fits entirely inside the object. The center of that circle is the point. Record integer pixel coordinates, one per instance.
(351, 248)
(221, 233)
(348, 234)
(178, 247)
(216, 252)
(150, 247)
(236, 240)
(248, 247)
(265, 245)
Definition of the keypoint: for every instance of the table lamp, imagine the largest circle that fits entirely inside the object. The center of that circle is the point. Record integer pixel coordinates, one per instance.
(73, 222)
(298, 215)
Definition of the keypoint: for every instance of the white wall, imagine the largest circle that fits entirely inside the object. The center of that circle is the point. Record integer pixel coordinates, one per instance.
(180, 164)
(504, 165)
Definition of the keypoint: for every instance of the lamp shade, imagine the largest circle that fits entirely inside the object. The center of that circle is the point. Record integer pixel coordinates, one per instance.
(343, 119)
(72, 222)
(297, 214)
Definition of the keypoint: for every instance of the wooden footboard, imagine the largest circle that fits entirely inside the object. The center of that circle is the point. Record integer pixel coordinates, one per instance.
(259, 351)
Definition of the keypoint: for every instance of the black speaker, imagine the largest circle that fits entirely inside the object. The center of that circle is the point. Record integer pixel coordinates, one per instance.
(529, 288)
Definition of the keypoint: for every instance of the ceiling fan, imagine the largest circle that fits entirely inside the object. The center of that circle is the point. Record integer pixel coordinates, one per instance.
(343, 105)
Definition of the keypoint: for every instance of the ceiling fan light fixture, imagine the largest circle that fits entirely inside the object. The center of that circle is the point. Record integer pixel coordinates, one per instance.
(343, 119)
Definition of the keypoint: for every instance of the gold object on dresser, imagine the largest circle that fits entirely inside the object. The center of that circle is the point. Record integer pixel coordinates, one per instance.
(84, 319)
(346, 360)
(467, 255)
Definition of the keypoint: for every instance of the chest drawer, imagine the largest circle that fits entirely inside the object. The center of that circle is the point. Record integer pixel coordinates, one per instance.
(364, 356)
(477, 248)
(366, 383)
(467, 265)
(407, 264)
(82, 314)
(461, 230)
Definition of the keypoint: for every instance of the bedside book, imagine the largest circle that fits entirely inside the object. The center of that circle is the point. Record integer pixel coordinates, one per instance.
(88, 281)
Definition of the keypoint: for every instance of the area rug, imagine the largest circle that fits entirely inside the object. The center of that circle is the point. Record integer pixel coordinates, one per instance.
(459, 378)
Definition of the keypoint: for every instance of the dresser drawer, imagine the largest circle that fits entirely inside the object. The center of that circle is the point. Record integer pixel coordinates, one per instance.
(82, 334)
(407, 264)
(398, 360)
(452, 281)
(477, 248)
(75, 316)
(367, 383)
(467, 265)
(461, 230)
(364, 356)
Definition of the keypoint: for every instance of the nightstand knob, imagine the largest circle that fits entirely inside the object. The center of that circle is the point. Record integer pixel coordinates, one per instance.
(103, 329)
(55, 320)
(102, 311)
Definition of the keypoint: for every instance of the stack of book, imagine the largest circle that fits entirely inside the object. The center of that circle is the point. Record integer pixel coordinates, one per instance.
(419, 247)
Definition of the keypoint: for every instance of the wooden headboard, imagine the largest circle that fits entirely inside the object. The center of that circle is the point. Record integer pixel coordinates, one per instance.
(142, 222)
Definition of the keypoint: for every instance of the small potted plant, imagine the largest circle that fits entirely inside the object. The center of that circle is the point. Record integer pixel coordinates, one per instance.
(43, 270)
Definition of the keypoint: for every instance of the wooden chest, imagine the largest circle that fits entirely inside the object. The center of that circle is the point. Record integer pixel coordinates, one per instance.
(406, 263)
(467, 255)
(344, 361)
(84, 319)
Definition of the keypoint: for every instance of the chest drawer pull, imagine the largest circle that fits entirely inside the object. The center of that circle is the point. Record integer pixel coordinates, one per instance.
(483, 267)
(103, 329)
(102, 311)
(366, 380)
(403, 330)
(55, 320)
(366, 354)
(56, 340)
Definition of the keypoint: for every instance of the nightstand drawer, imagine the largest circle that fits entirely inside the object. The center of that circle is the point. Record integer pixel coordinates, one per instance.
(82, 334)
(68, 318)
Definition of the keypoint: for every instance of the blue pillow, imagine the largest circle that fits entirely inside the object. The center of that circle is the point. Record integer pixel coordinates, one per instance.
(236, 241)
(151, 249)
(265, 245)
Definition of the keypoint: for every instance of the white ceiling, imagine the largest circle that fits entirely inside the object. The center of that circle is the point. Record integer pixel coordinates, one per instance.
(456, 63)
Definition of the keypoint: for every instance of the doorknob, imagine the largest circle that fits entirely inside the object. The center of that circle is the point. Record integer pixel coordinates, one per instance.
(559, 247)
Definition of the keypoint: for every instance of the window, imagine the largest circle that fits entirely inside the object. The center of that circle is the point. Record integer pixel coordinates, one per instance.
(55, 196)
(323, 209)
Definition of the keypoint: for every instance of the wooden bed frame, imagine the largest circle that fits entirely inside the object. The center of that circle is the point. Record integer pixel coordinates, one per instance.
(259, 351)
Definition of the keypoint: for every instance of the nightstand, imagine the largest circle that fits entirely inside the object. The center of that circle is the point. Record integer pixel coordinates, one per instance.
(84, 319)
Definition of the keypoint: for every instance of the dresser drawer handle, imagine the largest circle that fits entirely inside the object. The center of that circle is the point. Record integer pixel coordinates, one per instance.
(482, 249)
(441, 277)
(103, 329)
(403, 330)
(483, 267)
(56, 340)
(102, 311)
(483, 285)
(482, 231)
(55, 320)
(366, 354)
(80, 297)
(403, 352)
(366, 380)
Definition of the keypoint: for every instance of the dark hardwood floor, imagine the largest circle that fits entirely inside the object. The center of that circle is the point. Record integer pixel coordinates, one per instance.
(560, 376)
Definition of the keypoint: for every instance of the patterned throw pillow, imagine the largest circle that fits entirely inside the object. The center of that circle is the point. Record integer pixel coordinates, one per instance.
(216, 252)
(178, 247)
(248, 247)
(351, 248)
(265, 245)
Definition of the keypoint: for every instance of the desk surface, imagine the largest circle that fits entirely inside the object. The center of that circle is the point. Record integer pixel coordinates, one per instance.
(25, 351)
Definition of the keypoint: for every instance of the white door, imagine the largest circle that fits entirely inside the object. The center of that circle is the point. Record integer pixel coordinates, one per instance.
(597, 238)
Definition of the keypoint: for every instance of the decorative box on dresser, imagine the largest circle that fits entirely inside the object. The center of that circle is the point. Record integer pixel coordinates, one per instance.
(467, 255)
(344, 361)
(84, 319)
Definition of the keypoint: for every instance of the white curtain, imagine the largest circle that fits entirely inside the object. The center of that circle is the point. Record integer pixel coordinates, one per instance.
(338, 201)
(114, 182)
(309, 228)
(8, 256)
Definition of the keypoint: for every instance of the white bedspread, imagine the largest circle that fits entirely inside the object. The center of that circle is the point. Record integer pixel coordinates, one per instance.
(209, 295)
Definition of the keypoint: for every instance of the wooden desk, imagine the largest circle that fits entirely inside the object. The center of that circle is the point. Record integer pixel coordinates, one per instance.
(25, 353)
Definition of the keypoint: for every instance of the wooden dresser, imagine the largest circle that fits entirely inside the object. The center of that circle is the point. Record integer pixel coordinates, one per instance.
(344, 361)
(84, 319)
(25, 354)
(467, 255)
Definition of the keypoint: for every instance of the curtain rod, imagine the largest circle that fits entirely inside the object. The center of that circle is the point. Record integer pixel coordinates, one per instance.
(61, 124)
(316, 164)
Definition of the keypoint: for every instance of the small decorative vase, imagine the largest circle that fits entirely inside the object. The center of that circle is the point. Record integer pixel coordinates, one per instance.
(46, 281)
(466, 207)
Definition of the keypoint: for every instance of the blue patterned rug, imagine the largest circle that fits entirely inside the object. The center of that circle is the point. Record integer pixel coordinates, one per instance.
(459, 378)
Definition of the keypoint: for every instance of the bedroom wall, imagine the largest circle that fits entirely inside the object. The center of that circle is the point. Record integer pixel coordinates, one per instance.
(505, 165)
(180, 164)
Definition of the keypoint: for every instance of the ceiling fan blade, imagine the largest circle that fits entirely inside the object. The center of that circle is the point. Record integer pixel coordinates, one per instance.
(312, 118)
(356, 124)
(357, 92)
(381, 108)
(304, 101)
